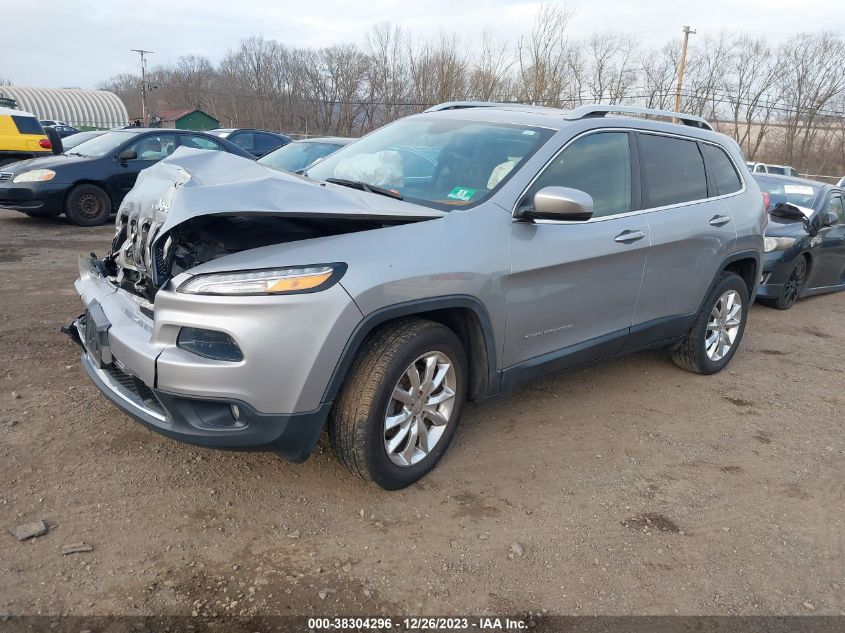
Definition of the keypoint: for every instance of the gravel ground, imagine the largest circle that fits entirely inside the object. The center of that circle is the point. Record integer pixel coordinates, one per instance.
(629, 487)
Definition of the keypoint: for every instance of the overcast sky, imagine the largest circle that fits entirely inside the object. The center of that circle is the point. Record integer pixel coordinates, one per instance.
(81, 42)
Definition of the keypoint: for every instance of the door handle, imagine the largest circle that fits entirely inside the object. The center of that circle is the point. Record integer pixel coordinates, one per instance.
(719, 220)
(626, 237)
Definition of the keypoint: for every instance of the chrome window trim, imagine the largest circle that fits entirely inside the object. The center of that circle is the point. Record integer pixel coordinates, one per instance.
(638, 211)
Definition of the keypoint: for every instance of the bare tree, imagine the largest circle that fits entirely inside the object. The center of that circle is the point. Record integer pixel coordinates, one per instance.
(544, 56)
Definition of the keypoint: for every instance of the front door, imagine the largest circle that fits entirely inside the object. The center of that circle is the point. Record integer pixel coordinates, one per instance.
(573, 285)
(149, 149)
(829, 266)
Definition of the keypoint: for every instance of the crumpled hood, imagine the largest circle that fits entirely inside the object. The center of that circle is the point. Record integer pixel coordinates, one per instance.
(191, 183)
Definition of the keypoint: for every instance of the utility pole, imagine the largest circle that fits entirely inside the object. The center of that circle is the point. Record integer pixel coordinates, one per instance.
(687, 31)
(142, 52)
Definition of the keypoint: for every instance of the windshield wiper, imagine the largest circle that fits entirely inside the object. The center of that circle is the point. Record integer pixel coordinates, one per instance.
(363, 186)
(75, 154)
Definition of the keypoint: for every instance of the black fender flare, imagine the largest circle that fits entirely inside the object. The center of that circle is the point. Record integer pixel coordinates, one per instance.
(411, 308)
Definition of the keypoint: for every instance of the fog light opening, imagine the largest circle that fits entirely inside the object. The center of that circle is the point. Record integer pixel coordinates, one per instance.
(236, 412)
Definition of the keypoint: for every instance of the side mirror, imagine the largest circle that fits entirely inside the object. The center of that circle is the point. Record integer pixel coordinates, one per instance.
(788, 211)
(829, 218)
(560, 203)
(127, 154)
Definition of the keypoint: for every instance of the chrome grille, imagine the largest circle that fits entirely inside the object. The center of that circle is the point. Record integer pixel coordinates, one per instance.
(5, 176)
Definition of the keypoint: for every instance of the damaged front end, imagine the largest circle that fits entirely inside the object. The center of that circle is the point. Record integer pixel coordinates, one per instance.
(192, 364)
(197, 206)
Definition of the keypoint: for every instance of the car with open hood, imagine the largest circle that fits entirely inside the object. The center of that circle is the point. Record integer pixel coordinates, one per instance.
(90, 180)
(448, 256)
(805, 239)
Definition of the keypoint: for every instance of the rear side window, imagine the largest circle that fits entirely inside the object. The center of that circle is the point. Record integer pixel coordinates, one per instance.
(673, 170)
(27, 125)
(722, 169)
(600, 165)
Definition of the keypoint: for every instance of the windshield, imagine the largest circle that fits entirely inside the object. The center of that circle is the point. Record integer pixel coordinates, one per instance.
(798, 192)
(73, 140)
(103, 144)
(435, 161)
(298, 155)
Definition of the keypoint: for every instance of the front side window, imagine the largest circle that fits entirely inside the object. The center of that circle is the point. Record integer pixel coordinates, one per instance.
(724, 174)
(834, 205)
(467, 160)
(673, 170)
(598, 164)
(154, 146)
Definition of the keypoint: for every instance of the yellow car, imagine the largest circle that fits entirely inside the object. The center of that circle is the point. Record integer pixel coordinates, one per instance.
(21, 137)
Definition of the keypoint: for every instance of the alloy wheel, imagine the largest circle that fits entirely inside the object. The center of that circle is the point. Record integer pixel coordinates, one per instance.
(723, 325)
(420, 409)
(794, 283)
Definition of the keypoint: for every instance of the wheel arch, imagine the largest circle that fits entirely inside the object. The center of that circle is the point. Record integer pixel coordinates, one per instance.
(87, 181)
(746, 265)
(463, 314)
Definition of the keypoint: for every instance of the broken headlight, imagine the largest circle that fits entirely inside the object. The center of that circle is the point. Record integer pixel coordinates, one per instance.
(269, 281)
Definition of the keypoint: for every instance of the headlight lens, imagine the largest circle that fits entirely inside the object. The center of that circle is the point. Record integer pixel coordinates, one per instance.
(777, 243)
(271, 281)
(35, 175)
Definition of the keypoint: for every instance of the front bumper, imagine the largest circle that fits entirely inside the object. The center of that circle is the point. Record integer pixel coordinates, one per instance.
(278, 388)
(44, 198)
(777, 266)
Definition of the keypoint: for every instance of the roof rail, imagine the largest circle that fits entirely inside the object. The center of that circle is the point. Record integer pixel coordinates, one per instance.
(598, 110)
(460, 105)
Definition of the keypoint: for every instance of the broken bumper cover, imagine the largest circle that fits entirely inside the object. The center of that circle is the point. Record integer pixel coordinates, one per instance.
(133, 359)
(203, 422)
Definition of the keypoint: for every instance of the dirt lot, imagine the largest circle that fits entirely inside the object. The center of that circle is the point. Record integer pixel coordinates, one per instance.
(631, 487)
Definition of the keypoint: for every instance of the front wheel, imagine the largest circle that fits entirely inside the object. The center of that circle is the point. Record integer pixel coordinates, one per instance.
(793, 286)
(717, 331)
(400, 406)
(88, 205)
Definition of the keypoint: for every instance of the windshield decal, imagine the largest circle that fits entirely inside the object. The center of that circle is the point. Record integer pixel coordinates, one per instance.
(464, 194)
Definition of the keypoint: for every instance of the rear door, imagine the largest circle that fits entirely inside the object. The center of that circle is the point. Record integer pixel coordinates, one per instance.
(692, 230)
(574, 285)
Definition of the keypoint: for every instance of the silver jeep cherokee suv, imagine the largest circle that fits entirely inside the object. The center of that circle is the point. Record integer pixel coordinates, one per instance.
(450, 255)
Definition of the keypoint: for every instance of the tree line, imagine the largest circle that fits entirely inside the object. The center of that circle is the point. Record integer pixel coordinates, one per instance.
(783, 101)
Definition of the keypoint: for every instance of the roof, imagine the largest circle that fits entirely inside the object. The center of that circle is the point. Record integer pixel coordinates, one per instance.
(94, 108)
(10, 111)
(794, 179)
(173, 115)
(340, 140)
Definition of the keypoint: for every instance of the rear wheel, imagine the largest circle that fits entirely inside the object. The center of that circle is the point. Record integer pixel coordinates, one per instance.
(400, 406)
(88, 205)
(717, 331)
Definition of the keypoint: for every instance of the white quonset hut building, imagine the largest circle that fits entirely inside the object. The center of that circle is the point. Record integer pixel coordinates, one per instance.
(80, 108)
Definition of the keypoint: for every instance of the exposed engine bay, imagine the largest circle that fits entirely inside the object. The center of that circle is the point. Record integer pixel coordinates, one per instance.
(198, 205)
(204, 239)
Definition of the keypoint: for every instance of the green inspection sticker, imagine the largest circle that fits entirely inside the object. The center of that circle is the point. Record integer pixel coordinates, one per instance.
(461, 193)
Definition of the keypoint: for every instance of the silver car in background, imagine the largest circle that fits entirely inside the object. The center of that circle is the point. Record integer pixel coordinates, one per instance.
(449, 256)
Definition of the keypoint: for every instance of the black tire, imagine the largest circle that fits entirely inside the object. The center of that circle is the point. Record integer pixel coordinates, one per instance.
(793, 286)
(691, 354)
(88, 205)
(357, 422)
